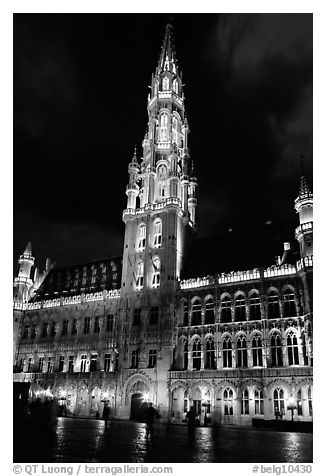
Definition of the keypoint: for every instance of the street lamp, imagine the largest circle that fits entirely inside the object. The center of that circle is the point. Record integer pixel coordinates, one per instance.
(291, 406)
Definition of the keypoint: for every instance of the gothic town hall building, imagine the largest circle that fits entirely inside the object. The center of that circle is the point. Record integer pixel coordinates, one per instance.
(235, 346)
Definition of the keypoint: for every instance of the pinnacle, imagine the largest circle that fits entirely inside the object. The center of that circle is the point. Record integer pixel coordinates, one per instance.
(304, 188)
(134, 159)
(28, 249)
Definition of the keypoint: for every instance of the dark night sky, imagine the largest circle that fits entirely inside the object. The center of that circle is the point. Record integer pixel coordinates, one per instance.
(80, 99)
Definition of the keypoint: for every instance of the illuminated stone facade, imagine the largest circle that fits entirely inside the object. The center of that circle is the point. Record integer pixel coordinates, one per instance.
(234, 345)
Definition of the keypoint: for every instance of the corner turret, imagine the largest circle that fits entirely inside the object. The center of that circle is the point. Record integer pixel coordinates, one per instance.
(303, 204)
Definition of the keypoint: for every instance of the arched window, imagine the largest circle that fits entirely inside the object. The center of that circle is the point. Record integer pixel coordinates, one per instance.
(245, 402)
(227, 352)
(299, 403)
(292, 346)
(209, 311)
(141, 237)
(310, 401)
(164, 127)
(240, 308)
(242, 359)
(165, 83)
(276, 350)
(278, 401)
(196, 313)
(228, 401)
(196, 355)
(156, 272)
(157, 231)
(185, 355)
(175, 86)
(254, 307)
(226, 315)
(273, 305)
(140, 275)
(185, 314)
(257, 351)
(289, 309)
(155, 88)
(259, 402)
(210, 353)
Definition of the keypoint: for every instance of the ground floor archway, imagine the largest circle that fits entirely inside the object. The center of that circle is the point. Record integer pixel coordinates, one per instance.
(137, 407)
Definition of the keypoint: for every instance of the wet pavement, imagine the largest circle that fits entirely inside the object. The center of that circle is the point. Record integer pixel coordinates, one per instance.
(77, 440)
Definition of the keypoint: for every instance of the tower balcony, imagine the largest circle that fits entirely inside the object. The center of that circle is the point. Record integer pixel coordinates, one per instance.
(132, 187)
(174, 201)
(166, 95)
(21, 280)
(303, 228)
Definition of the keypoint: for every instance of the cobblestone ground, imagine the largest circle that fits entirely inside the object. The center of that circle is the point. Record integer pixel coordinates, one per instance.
(77, 440)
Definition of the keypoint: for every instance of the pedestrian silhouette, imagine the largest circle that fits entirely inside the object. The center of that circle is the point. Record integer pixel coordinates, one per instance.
(106, 413)
(191, 421)
(150, 415)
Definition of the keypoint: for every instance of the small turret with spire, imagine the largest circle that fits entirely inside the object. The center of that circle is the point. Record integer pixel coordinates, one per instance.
(23, 282)
(304, 207)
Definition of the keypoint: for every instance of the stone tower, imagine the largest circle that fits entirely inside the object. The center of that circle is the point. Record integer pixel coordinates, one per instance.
(162, 188)
(161, 210)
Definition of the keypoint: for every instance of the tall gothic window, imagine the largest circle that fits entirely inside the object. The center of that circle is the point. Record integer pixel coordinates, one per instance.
(157, 229)
(185, 355)
(40, 364)
(245, 402)
(240, 308)
(292, 347)
(259, 402)
(242, 359)
(227, 352)
(276, 350)
(257, 351)
(165, 83)
(210, 353)
(175, 86)
(164, 127)
(226, 314)
(140, 275)
(254, 307)
(228, 401)
(278, 401)
(156, 272)
(141, 237)
(196, 313)
(196, 354)
(209, 311)
(289, 309)
(273, 305)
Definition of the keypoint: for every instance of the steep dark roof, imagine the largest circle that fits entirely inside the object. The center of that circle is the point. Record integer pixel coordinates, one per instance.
(83, 278)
